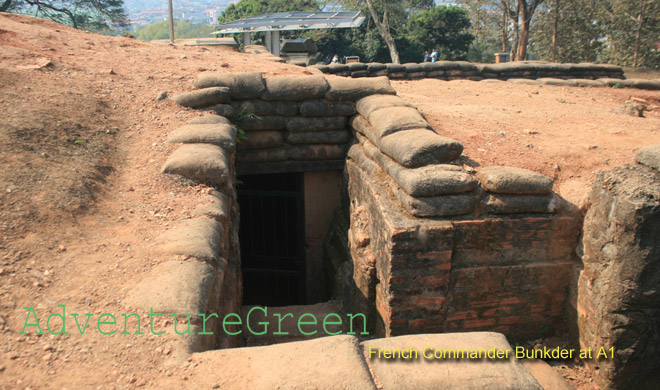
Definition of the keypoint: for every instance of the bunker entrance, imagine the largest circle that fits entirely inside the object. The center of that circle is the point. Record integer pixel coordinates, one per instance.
(284, 220)
(272, 239)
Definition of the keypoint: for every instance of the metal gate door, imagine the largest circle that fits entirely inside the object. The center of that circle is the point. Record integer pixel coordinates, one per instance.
(272, 247)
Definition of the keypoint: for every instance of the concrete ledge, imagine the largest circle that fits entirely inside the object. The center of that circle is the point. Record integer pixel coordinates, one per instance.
(546, 375)
(329, 363)
(421, 373)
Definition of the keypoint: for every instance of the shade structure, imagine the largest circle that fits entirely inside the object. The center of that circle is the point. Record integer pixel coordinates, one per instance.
(284, 21)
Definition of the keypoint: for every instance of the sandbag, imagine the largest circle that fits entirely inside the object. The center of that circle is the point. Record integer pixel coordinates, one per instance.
(295, 88)
(218, 134)
(248, 85)
(203, 97)
(205, 163)
(509, 180)
(343, 89)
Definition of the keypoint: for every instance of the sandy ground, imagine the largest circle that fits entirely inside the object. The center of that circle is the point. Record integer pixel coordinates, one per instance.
(563, 132)
(81, 197)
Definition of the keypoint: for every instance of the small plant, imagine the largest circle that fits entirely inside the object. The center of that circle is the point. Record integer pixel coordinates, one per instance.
(617, 85)
(240, 117)
(240, 134)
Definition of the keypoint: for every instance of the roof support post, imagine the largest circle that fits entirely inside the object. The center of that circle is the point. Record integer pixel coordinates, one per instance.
(246, 39)
(268, 41)
(275, 43)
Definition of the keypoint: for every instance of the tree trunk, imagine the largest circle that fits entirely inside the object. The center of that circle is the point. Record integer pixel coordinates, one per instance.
(384, 30)
(505, 35)
(554, 32)
(514, 43)
(524, 32)
(640, 25)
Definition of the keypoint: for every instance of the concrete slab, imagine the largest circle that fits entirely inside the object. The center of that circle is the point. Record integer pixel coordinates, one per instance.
(331, 363)
(546, 375)
(447, 373)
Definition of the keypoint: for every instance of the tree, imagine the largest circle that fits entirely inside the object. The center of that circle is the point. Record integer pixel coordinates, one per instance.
(88, 14)
(183, 29)
(442, 27)
(632, 32)
(489, 27)
(578, 30)
(389, 18)
(521, 13)
(383, 25)
(247, 8)
(555, 30)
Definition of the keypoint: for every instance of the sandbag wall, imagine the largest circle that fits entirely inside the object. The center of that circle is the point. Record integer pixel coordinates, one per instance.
(455, 70)
(437, 246)
(433, 245)
(204, 275)
(295, 123)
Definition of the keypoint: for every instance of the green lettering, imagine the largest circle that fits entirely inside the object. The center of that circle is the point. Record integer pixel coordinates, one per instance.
(31, 310)
(239, 322)
(364, 323)
(279, 323)
(265, 324)
(63, 330)
(100, 322)
(326, 322)
(151, 318)
(301, 322)
(138, 323)
(204, 323)
(75, 317)
(188, 331)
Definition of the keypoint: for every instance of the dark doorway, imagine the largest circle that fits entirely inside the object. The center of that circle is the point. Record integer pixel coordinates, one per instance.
(272, 237)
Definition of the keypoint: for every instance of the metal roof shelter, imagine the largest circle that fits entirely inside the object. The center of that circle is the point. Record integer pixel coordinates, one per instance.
(272, 24)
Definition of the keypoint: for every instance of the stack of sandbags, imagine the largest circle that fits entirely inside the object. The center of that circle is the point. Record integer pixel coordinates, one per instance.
(516, 191)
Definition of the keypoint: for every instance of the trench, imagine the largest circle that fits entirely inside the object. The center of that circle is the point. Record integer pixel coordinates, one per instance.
(417, 250)
(285, 219)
